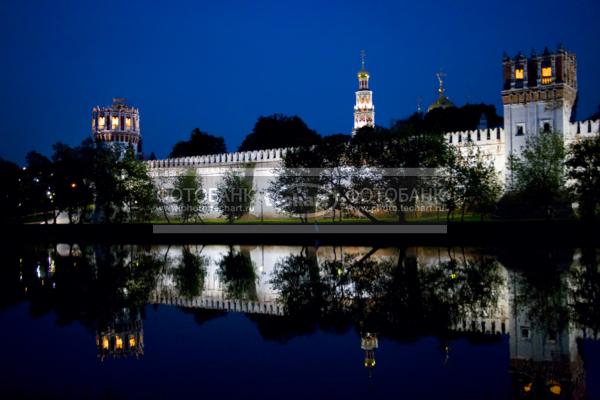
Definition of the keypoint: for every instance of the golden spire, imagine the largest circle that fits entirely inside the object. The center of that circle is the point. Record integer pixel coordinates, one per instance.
(363, 55)
(441, 75)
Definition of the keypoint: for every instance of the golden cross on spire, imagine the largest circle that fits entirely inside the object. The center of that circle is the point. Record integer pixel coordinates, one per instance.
(441, 75)
(363, 55)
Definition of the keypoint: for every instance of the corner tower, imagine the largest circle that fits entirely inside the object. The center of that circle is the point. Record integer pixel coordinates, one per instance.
(538, 95)
(117, 125)
(364, 110)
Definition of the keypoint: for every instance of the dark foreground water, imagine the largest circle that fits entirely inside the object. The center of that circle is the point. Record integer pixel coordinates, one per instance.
(299, 322)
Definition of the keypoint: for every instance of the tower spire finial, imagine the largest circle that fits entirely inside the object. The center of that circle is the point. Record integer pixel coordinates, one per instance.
(363, 55)
(441, 75)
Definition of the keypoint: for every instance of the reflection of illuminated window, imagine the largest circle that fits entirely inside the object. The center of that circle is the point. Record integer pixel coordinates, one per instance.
(546, 75)
(115, 122)
(105, 343)
(128, 123)
(131, 341)
(119, 343)
(519, 73)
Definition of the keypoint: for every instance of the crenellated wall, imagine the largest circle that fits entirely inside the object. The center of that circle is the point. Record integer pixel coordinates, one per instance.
(490, 141)
(255, 156)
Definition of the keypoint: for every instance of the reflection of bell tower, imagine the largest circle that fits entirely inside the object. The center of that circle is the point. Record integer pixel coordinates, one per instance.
(364, 110)
(369, 343)
(123, 337)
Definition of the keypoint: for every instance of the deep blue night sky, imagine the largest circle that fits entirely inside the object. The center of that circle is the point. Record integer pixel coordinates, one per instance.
(219, 65)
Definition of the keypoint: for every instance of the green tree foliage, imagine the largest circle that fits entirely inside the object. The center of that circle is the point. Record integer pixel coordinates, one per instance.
(583, 171)
(139, 192)
(538, 175)
(470, 182)
(279, 131)
(295, 190)
(234, 196)
(199, 143)
(189, 195)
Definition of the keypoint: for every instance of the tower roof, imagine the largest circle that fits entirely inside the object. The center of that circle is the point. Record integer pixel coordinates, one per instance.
(442, 101)
(363, 73)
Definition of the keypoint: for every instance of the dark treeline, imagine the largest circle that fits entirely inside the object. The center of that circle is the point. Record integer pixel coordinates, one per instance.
(89, 182)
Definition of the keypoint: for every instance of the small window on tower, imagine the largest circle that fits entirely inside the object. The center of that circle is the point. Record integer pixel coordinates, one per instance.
(546, 75)
(520, 130)
(115, 123)
(519, 73)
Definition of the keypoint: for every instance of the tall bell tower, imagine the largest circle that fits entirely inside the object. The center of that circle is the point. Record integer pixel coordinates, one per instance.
(364, 110)
(538, 95)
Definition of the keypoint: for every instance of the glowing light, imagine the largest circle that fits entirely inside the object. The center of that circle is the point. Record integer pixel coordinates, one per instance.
(546, 75)
(527, 388)
(105, 343)
(119, 343)
(114, 122)
(131, 342)
(519, 73)
(73, 185)
(101, 122)
(128, 123)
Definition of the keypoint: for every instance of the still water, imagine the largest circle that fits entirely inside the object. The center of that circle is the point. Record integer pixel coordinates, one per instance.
(297, 322)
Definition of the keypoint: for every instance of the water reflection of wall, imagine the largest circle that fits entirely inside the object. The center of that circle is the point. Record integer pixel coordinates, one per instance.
(540, 351)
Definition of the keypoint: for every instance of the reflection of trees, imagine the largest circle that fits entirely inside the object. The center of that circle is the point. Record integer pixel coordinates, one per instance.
(190, 273)
(92, 285)
(238, 275)
(586, 291)
(399, 297)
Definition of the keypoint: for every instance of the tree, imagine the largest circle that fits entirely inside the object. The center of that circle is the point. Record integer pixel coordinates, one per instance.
(72, 179)
(36, 184)
(470, 182)
(538, 175)
(199, 143)
(189, 195)
(583, 171)
(295, 188)
(234, 196)
(140, 195)
(11, 194)
(279, 131)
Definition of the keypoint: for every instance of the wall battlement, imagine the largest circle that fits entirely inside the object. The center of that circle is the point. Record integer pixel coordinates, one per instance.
(255, 156)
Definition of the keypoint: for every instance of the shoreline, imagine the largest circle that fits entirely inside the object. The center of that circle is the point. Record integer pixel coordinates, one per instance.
(487, 233)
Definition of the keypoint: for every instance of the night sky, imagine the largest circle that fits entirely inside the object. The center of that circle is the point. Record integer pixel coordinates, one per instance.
(219, 65)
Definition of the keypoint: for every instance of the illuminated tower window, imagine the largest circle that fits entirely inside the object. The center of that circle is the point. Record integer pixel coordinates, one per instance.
(519, 74)
(114, 122)
(546, 75)
(128, 123)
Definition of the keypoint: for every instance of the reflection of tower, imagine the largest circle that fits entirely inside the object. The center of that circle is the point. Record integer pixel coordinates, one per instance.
(369, 342)
(118, 124)
(123, 337)
(543, 363)
(364, 110)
